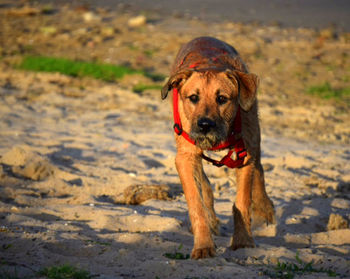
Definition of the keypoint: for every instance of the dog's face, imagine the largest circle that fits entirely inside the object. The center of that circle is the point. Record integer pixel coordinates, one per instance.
(210, 100)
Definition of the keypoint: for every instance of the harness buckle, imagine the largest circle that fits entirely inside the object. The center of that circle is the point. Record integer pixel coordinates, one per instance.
(178, 130)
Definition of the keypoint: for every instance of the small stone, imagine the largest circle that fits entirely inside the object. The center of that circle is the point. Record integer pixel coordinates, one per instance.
(137, 21)
(341, 203)
(90, 16)
(337, 222)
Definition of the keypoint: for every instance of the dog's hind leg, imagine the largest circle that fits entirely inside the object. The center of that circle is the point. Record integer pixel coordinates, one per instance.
(242, 236)
(262, 206)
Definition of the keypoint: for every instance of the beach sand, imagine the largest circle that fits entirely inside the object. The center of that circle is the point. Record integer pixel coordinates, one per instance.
(70, 147)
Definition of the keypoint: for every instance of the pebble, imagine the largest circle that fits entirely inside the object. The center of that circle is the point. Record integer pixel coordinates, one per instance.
(341, 203)
(137, 21)
(90, 16)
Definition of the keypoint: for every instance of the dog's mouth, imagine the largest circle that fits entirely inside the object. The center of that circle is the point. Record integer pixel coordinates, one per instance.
(208, 139)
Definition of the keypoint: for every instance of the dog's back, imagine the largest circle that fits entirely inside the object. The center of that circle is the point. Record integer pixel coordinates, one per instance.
(207, 53)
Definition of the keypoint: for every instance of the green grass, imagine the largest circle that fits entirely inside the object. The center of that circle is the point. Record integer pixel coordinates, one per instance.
(290, 270)
(140, 88)
(64, 272)
(326, 91)
(106, 72)
(177, 255)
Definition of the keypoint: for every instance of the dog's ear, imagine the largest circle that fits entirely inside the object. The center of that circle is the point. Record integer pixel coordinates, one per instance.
(175, 81)
(248, 85)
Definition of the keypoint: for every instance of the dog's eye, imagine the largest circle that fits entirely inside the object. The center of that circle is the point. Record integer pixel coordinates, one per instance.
(194, 98)
(221, 99)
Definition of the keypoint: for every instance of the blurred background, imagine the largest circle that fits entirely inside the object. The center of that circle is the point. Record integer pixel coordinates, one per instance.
(296, 13)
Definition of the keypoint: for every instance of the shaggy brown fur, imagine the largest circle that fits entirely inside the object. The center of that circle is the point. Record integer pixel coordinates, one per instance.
(213, 83)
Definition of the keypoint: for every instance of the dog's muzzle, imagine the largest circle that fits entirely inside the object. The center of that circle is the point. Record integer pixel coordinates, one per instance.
(207, 132)
(205, 125)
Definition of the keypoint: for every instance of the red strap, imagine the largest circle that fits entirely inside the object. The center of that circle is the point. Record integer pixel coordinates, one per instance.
(233, 159)
(177, 120)
(234, 140)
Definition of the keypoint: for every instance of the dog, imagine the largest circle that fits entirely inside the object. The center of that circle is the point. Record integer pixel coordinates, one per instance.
(215, 108)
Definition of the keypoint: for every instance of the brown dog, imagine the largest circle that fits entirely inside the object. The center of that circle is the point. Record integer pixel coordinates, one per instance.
(215, 107)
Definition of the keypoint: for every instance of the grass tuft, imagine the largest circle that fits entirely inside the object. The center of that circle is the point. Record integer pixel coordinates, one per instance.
(64, 272)
(106, 72)
(326, 91)
(177, 255)
(290, 270)
(140, 88)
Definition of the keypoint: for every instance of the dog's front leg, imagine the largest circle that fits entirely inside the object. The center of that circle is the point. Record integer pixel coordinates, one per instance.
(199, 197)
(242, 236)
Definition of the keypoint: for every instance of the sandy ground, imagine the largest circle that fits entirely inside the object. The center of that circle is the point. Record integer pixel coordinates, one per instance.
(70, 147)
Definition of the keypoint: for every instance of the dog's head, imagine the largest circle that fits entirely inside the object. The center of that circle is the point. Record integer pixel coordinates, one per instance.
(210, 100)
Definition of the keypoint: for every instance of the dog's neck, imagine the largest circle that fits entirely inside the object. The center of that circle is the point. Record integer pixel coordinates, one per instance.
(237, 151)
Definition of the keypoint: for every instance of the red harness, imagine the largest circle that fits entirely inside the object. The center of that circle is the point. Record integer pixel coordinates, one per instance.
(237, 152)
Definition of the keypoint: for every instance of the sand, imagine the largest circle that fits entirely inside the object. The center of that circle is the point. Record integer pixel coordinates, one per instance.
(68, 153)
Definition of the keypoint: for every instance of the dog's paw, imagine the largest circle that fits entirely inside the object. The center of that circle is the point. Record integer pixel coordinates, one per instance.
(201, 253)
(242, 242)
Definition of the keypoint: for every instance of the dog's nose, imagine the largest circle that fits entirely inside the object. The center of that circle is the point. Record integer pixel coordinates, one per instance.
(205, 124)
